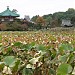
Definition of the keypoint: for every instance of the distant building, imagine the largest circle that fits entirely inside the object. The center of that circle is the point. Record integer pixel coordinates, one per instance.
(8, 15)
(66, 23)
(27, 17)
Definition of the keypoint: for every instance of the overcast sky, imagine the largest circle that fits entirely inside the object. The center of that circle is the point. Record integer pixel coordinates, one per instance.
(37, 7)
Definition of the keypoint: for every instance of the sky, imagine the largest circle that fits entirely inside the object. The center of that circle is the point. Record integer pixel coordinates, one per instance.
(37, 7)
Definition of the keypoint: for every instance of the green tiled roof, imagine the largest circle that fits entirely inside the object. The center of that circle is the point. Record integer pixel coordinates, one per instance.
(8, 12)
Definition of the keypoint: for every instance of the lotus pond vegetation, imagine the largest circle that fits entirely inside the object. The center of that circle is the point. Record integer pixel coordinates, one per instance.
(43, 52)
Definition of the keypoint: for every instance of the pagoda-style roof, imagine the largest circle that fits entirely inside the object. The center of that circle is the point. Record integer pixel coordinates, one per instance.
(8, 13)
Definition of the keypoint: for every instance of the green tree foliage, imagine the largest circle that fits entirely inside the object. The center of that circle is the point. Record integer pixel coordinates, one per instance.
(70, 13)
(48, 18)
(14, 10)
(73, 20)
(59, 15)
(71, 10)
(55, 19)
(34, 18)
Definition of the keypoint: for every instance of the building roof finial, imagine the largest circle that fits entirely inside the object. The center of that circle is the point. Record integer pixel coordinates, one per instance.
(7, 7)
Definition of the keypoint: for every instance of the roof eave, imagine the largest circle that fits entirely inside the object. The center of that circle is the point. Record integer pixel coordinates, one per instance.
(9, 16)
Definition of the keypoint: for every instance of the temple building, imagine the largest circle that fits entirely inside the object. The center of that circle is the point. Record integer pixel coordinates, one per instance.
(8, 15)
(66, 23)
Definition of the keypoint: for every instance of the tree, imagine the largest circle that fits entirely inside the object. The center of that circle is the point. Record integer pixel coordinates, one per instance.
(73, 20)
(71, 10)
(55, 18)
(14, 10)
(34, 18)
(40, 21)
(69, 13)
